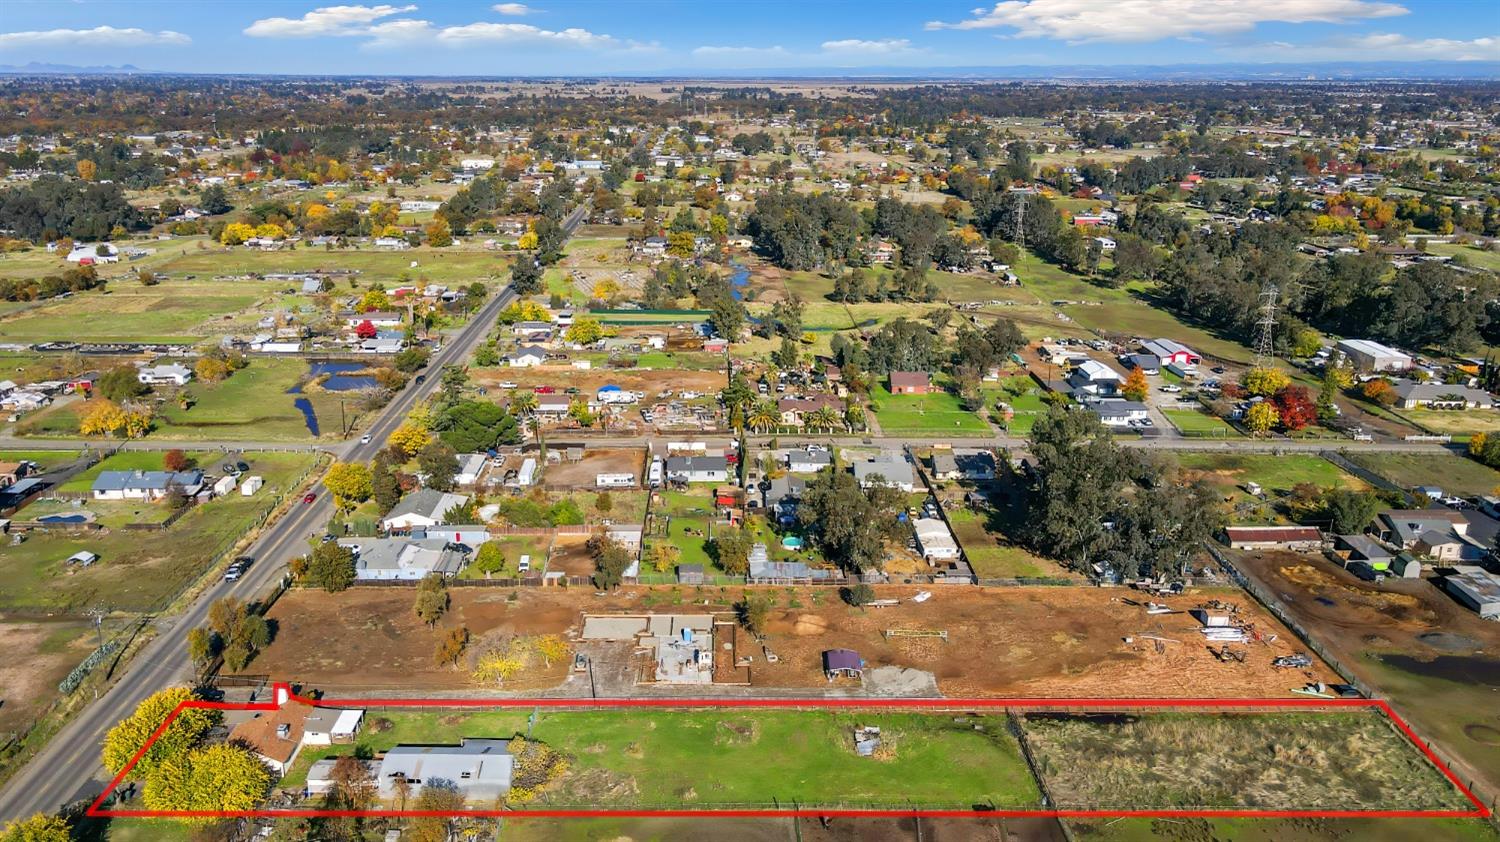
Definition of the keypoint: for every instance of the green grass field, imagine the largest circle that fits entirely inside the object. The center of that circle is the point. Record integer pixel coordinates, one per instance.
(668, 758)
(139, 570)
(176, 311)
(990, 555)
(253, 405)
(936, 414)
(45, 459)
(1454, 474)
(1275, 474)
(1283, 830)
(690, 513)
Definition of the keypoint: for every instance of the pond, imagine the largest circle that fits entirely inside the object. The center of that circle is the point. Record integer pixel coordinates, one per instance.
(338, 380)
(739, 279)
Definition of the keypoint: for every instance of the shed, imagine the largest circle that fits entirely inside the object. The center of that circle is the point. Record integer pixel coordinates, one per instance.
(251, 485)
(1273, 537)
(690, 574)
(224, 485)
(842, 662)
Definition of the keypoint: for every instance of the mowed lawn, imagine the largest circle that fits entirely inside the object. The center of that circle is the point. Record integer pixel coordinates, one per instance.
(176, 311)
(1453, 473)
(670, 758)
(1198, 424)
(140, 570)
(689, 513)
(937, 414)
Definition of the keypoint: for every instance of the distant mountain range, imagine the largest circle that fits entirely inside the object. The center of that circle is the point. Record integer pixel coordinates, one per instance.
(37, 68)
(1244, 71)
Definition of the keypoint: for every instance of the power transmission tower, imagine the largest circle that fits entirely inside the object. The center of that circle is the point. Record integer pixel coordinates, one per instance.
(1265, 327)
(1021, 220)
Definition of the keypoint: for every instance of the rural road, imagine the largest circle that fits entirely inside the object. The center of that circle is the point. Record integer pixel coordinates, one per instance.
(68, 768)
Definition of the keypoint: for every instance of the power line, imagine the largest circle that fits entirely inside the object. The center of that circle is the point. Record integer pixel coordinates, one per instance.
(1265, 327)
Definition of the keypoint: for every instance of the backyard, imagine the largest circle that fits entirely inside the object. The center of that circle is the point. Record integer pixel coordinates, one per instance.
(760, 758)
(938, 413)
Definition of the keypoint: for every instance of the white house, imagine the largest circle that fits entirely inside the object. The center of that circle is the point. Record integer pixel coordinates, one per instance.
(173, 373)
(527, 357)
(89, 254)
(890, 469)
(424, 507)
(697, 468)
(470, 466)
(144, 485)
(1095, 378)
(403, 558)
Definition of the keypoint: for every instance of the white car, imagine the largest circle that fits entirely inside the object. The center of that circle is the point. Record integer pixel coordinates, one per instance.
(364, 439)
(507, 385)
(1171, 387)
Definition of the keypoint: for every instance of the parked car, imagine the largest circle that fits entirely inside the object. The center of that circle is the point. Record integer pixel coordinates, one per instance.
(544, 390)
(1171, 387)
(507, 384)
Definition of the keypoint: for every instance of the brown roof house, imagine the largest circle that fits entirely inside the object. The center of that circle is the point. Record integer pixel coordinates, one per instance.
(910, 383)
(275, 736)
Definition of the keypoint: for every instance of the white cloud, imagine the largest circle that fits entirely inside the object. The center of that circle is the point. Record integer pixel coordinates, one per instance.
(99, 36)
(855, 45)
(1381, 46)
(367, 22)
(1087, 21)
(514, 10)
(327, 20)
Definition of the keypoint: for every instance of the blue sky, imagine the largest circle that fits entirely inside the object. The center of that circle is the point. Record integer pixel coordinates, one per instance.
(643, 36)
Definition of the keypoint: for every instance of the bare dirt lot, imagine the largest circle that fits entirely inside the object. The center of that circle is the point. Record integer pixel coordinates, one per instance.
(1022, 642)
(570, 556)
(583, 473)
(588, 381)
(1436, 661)
(37, 656)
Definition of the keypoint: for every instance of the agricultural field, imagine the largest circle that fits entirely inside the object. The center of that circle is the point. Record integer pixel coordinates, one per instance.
(138, 569)
(1433, 659)
(1459, 424)
(175, 311)
(1454, 474)
(1277, 475)
(39, 654)
(668, 758)
(451, 266)
(935, 414)
(1326, 760)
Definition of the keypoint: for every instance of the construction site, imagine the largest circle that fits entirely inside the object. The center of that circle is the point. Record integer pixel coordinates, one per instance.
(1036, 642)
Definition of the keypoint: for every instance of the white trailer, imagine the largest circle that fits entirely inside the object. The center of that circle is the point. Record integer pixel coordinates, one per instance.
(614, 480)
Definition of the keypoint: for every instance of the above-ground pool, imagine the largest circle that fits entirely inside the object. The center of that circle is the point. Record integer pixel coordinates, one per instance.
(792, 542)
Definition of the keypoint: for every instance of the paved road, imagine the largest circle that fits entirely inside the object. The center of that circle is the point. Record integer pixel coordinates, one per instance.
(68, 768)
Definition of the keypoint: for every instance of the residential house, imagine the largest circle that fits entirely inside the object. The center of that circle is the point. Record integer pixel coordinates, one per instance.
(377, 318)
(972, 465)
(328, 726)
(697, 468)
(1118, 413)
(794, 410)
(145, 485)
(527, 357)
(1411, 395)
(1437, 533)
(1092, 377)
(479, 768)
(801, 461)
(890, 469)
(423, 507)
(403, 558)
(910, 382)
(172, 373)
(553, 404)
(1147, 363)
(470, 468)
(274, 736)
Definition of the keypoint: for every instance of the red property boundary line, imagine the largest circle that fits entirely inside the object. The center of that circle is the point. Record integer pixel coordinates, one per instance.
(97, 809)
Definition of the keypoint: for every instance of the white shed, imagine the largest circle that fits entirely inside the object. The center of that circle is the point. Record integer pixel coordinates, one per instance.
(251, 485)
(224, 485)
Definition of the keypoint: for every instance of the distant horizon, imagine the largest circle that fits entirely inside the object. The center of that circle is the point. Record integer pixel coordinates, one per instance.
(1325, 71)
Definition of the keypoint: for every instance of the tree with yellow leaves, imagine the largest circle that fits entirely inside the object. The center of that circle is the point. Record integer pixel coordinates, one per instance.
(221, 777)
(527, 242)
(101, 417)
(126, 739)
(409, 438)
(87, 169)
(1135, 386)
(439, 233)
(606, 289)
(498, 665)
(1266, 381)
(374, 299)
(38, 828)
(551, 648)
(235, 233)
(270, 231)
(1261, 417)
(138, 420)
(211, 369)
